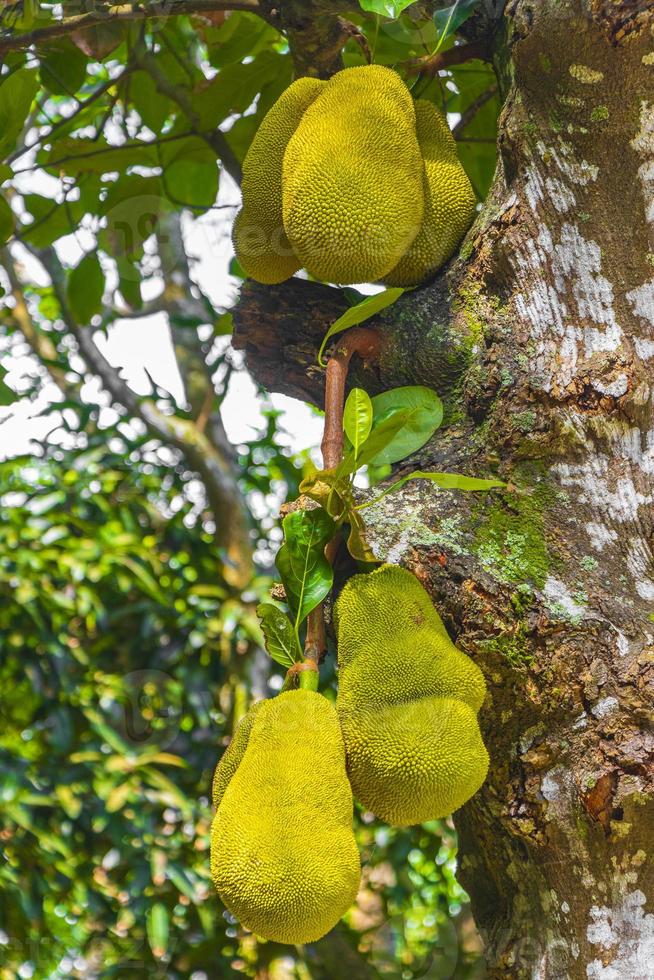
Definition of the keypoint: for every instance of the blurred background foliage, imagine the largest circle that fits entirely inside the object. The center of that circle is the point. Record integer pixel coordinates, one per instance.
(135, 539)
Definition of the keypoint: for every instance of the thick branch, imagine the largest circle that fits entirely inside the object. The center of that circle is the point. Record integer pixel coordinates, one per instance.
(280, 328)
(223, 493)
(120, 13)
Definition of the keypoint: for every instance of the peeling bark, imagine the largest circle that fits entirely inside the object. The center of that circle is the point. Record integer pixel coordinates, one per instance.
(541, 338)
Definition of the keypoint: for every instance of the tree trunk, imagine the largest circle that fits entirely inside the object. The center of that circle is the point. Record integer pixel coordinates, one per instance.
(550, 586)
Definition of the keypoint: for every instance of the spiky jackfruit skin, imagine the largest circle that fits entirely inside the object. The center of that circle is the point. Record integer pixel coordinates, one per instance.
(353, 196)
(449, 201)
(260, 241)
(283, 856)
(407, 701)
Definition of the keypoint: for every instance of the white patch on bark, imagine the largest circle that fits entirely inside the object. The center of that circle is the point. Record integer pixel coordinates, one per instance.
(643, 143)
(639, 563)
(642, 301)
(600, 535)
(616, 388)
(604, 707)
(560, 600)
(579, 172)
(592, 478)
(626, 933)
(561, 196)
(644, 348)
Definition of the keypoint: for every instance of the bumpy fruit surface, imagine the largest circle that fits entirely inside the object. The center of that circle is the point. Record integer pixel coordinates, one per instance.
(348, 179)
(407, 701)
(449, 201)
(261, 244)
(283, 855)
(353, 177)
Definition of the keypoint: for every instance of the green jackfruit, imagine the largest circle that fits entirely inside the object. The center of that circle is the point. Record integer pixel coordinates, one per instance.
(283, 856)
(449, 201)
(353, 177)
(260, 242)
(407, 701)
(348, 179)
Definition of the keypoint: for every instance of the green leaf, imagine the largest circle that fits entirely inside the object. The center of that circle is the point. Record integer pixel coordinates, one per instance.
(85, 288)
(157, 929)
(7, 396)
(75, 156)
(357, 418)
(281, 641)
(152, 107)
(17, 93)
(446, 481)
(367, 308)
(63, 68)
(379, 438)
(305, 572)
(190, 173)
(51, 221)
(385, 8)
(449, 19)
(425, 414)
(6, 220)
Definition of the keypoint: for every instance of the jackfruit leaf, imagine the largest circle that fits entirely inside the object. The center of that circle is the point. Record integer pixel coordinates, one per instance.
(7, 396)
(6, 220)
(157, 929)
(449, 19)
(281, 641)
(359, 313)
(357, 543)
(63, 68)
(16, 94)
(446, 481)
(328, 490)
(385, 8)
(357, 418)
(305, 572)
(379, 438)
(85, 288)
(426, 414)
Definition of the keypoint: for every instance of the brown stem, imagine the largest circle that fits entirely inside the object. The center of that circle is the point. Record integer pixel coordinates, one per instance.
(433, 63)
(364, 341)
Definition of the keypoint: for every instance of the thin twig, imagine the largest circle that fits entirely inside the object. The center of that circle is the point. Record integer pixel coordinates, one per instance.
(471, 112)
(121, 13)
(460, 53)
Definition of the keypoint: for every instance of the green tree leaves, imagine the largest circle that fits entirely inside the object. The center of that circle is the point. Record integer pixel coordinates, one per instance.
(357, 418)
(281, 639)
(359, 313)
(305, 572)
(85, 288)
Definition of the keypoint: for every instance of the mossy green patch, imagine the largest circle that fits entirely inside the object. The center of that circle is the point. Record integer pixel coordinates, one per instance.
(509, 541)
(599, 113)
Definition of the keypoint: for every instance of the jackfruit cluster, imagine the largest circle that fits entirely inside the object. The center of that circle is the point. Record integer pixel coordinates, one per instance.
(351, 180)
(283, 855)
(407, 701)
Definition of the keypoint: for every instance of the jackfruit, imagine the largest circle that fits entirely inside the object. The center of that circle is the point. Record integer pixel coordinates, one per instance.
(449, 201)
(335, 181)
(283, 856)
(407, 701)
(260, 242)
(353, 177)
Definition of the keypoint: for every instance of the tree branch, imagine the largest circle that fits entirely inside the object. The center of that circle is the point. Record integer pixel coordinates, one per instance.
(39, 342)
(179, 95)
(220, 480)
(121, 13)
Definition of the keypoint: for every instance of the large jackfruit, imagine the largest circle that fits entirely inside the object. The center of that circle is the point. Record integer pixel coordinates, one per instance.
(353, 177)
(283, 855)
(261, 244)
(407, 701)
(449, 201)
(335, 181)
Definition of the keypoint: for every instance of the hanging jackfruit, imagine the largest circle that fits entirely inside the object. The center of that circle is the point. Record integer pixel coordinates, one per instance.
(407, 701)
(352, 177)
(335, 181)
(260, 241)
(283, 856)
(449, 201)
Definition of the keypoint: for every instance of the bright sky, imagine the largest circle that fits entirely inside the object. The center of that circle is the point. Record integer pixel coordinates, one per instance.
(145, 343)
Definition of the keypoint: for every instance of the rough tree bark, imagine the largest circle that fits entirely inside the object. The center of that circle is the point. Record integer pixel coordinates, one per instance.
(541, 337)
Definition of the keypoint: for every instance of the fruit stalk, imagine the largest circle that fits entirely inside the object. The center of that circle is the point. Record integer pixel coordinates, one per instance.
(366, 342)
